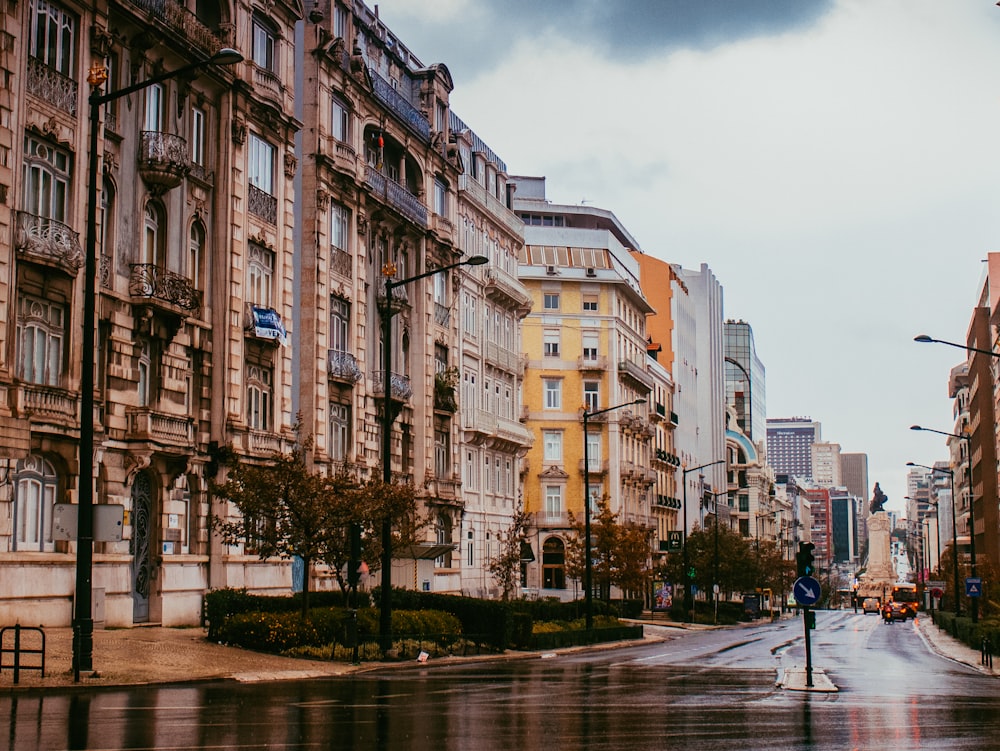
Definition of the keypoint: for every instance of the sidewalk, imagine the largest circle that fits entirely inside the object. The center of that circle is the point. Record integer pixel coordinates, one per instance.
(145, 655)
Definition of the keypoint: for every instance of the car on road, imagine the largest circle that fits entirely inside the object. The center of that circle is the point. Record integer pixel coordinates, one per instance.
(896, 611)
(871, 605)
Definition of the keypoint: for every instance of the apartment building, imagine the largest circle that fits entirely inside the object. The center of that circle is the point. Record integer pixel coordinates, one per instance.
(194, 270)
(586, 346)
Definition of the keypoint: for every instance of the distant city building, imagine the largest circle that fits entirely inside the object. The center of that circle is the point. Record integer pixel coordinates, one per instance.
(826, 464)
(789, 445)
(745, 384)
(854, 474)
(844, 525)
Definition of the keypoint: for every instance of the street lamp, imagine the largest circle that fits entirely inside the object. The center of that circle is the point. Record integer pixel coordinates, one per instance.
(588, 565)
(388, 270)
(974, 605)
(925, 339)
(83, 621)
(715, 557)
(954, 529)
(688, 596)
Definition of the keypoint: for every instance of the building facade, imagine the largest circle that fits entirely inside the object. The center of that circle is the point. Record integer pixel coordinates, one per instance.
(789, 445)
(194, 246)
(586, 346)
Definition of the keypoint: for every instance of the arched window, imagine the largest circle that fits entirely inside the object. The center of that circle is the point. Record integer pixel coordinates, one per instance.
(106, 239)
(154, 241)
(553, 564)
(196, 252)
(35, 493)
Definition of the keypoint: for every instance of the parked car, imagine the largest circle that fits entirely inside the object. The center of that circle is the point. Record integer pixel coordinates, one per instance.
(871, 605)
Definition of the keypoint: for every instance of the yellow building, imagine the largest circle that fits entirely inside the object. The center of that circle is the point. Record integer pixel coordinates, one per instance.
(586, 347)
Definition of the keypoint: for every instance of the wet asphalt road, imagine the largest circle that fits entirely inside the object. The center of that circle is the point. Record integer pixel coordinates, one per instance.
(703, 691)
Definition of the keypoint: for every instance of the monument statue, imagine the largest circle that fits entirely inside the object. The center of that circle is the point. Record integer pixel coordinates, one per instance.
(878, 500)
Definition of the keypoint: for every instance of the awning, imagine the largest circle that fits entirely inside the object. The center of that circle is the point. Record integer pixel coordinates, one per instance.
(426, 551)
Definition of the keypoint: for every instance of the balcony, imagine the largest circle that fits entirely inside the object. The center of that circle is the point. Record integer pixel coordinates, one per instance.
(340, 156)
(45, 404)
(268, 84)
(502, 357)
(343, 366)
(636, 374)
(400, 388)
(186, 24)
(145, 424)
(395, 195)
(442, 315)
(658, 413)
(51, 86)
(491, 203)
(592, 363)
(506, 289)
(443, 229)
(511, 435)
(164, 289)
(48, 242)
(597, 467)
(341, 263)
(262, 204)
(163, 160)
(400, 107)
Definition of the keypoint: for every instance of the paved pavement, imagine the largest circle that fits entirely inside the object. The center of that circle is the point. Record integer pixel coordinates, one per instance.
(145, 655)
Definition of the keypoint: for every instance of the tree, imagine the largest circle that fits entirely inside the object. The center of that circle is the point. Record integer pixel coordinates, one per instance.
(620, 552)
(285, 510)
(506, 565)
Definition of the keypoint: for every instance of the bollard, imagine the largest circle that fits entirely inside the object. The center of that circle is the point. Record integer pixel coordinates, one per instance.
(986, 654)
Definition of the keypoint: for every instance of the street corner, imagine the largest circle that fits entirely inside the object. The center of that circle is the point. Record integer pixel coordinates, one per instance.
(795, 679)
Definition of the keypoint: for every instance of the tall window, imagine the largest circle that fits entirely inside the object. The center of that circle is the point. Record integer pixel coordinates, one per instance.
(553, 444)
(263, 46)
(590, 347)
(340, 120)
(593, 451)
(260, 271)
(553, 393)
(442, 465)
(339, 21)
(440, 197)
(261, 157)
(144, 368)
(105, 237)
(550, 301)
(339, 224)
(154, 108)
(340, 321)
(40, 337)
(592, 395)
(198, 136)
(35, 493)
(46, 179)
(340, 431)
(196, 252)
(553, 502)
(259, 396)
(154, 243)
(53, 36)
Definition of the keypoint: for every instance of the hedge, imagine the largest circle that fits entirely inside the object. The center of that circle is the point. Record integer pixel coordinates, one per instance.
(220, 604)
(967, 632)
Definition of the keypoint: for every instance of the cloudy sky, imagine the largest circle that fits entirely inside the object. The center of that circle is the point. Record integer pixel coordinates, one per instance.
(834, 162)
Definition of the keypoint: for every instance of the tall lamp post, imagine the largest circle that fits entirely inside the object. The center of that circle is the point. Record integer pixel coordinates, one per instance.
(688, 595)
(974, 605)
(715, 555)
(588, 565)
(83, 620)
(388, 270)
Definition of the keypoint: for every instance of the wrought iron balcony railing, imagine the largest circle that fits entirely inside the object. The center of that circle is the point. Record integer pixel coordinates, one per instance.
(156, 283)
(49, 85)
(400, 106)
(48, 241)
(399, 386)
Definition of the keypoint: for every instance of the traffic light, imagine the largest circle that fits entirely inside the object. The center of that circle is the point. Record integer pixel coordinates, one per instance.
(810, 617)
(804, 565)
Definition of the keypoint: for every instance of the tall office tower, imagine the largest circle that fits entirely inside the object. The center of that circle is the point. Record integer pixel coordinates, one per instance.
(789, 445)
(854, 475)
(745, 385)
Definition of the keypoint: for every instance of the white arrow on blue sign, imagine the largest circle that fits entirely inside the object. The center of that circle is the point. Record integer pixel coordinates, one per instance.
(806, 590)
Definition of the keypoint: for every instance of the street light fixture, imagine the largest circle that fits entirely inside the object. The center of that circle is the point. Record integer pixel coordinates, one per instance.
(925, 339)
(588, 566)
(954, 529)
(83, 621)
(715, 557)
(388, 270)
(974, 605)
(688, 596)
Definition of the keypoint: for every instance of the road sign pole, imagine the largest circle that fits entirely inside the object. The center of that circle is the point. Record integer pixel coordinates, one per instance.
(809, 656)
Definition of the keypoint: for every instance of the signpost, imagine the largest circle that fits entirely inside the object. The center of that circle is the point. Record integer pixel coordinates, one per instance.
(806, 591)
(973, 586)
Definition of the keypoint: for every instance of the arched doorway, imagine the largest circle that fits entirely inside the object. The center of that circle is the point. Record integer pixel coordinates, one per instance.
(142, 514)
(553, 564)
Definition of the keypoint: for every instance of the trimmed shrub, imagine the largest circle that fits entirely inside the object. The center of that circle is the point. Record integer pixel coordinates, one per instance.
(219, 604)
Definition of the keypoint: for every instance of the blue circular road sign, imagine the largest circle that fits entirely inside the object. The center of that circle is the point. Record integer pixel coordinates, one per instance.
(806, 590)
